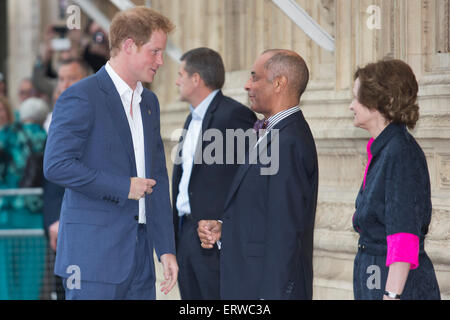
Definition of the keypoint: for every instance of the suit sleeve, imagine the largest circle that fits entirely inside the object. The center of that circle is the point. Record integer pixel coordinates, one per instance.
(53, 195)
(244, 119)
(406, 184)
(69, 132)
(161, 214)
(290, 221)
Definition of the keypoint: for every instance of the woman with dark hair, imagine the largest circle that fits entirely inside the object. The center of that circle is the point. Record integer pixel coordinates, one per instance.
(393, 206)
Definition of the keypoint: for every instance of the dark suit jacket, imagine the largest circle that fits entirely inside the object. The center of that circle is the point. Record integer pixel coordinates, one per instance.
(53, 195)
(209, 184)
(267, 232)
(90, 152)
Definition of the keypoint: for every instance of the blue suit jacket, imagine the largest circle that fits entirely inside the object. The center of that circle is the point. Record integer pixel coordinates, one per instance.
(90, 152)
(267, 232)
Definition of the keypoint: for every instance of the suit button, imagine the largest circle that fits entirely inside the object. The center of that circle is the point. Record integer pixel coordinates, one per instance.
(136, 218)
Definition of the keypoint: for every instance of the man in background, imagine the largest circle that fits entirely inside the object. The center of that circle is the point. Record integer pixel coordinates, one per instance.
(199, 189)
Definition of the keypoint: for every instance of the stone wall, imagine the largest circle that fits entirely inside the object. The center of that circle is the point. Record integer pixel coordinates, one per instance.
(414, 31)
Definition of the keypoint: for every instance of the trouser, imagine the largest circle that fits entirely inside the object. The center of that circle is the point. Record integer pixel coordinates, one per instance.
(198, 277)
(139, 285)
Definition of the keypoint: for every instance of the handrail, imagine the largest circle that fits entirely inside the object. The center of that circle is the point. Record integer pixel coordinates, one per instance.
(21, 233)
(21, 192)
(123, 4)
(296, 13)
(303, 20)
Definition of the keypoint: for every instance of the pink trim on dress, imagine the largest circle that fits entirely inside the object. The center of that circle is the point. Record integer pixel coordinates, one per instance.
(403, 247)
(369, 156)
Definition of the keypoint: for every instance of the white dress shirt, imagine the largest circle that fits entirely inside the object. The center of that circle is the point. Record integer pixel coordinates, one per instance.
(132, 99)
(188, 152)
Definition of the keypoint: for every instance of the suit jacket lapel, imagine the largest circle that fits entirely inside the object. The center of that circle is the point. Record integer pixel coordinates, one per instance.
(210, 112)
(177, 167)
(206, 123)
(205, 126)
(262, 147)
(118, 114)
(251, 159)
(149, 133)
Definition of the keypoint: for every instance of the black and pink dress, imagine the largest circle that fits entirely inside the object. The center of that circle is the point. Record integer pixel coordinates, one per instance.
(393, 212)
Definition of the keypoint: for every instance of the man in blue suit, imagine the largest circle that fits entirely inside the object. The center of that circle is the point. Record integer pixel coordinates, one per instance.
(70, 72)
(104, 147)
(267, 229)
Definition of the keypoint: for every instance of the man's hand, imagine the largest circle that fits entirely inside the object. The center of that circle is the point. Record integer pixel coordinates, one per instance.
(170, 267)
(209, 232)
(53, 234)
(139, 187)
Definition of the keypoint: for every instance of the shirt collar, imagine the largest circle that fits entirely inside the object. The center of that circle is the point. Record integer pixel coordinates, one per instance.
(199, 112)
(121, 86)
(385, 136)
(273, 120)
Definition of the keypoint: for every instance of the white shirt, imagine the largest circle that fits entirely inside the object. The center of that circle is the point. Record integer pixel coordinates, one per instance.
(130, 97)
(188, 152)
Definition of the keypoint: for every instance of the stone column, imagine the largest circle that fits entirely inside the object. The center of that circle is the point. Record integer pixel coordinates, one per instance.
(24, 26)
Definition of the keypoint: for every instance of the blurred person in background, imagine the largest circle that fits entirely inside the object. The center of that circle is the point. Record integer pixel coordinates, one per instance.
(2, 85)
(26, 90)
(6, 112)
(71, 71)
(96, 50)
(6, 118)
(44, 74)
(22, 264)
(61, 44)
